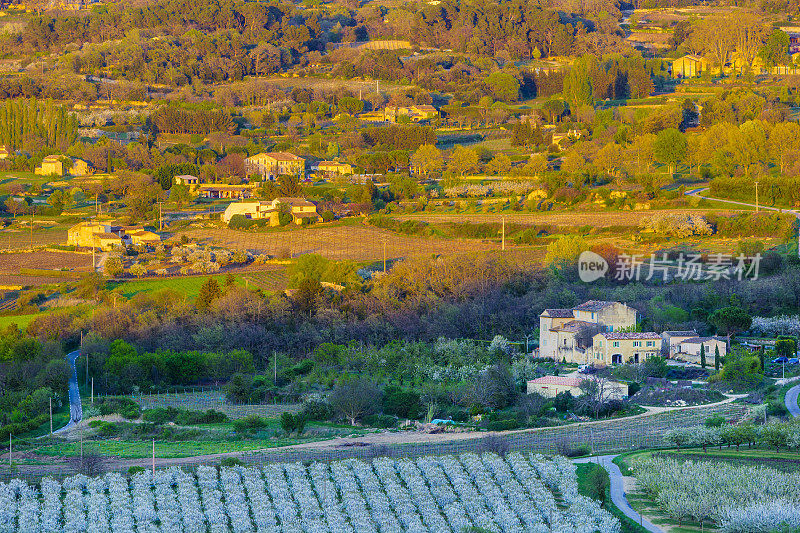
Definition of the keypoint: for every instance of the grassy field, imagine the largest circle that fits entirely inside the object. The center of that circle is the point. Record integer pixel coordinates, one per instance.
(188, 286)
(164, 449)
(21, 321)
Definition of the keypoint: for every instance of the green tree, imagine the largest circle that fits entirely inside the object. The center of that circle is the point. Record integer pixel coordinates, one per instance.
(463, 161)
(180, 194)
(209, 291)
(355, 397)
(774, 51)
(113, 267)
(502, 86)
(565, 249)
(578, 84)
(427, 160)
(730, 320)
(716, 357)
(309, 266)
(138, 270)
(56, 199)
(702, 355)
(670, 148)
(289, 185)
(500, 164)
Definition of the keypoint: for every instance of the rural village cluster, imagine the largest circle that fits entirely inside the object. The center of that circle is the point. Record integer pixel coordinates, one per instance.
(447, 266)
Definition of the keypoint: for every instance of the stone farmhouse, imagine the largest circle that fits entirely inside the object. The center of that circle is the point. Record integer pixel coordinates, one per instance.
(107, 236)
(551, 386)
(303, 211)
(270, 165)
(568, 333)
(619, 347)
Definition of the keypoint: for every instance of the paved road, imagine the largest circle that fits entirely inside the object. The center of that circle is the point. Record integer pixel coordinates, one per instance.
(75, 409)
(791, 401)
(618, 491)
(696, 192)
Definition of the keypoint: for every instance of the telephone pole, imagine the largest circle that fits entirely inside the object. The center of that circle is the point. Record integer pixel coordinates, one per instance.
(756, 183)
(504, 234)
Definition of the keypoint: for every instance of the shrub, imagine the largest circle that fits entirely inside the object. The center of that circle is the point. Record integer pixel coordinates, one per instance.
(291, 423)
(401, 402)
(159, 415)
(132, 471)
(494, 444)
(502, 425)
(230, 462)
(381, 421)
(317, 410)
(249, 423)
(188, 418)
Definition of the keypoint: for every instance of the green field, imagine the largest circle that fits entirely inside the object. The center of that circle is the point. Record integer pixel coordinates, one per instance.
(189, 286)
(164, 449)
(21, 321)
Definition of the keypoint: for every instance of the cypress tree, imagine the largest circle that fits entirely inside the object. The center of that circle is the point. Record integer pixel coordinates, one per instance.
(702, 355)
(716, 357)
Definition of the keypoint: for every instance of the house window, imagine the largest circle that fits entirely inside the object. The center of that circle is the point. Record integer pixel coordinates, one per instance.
(600, 343)
(592, 316)
(610, 328)
(651, 343)
(616, 344)
(636, 344)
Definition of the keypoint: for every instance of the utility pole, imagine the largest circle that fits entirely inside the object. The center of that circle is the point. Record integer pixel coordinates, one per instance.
(92, 386)
(51, 415)
(275, 361)
(154, 457)
(756, 183)
(504, 234)
(384, 256)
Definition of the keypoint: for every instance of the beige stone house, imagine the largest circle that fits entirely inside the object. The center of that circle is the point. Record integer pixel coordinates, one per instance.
(50, 165)
(689, 349)
(107, 235)
(566, 334)
(624, 347)
(551, 386)
(301, 209)
(672, 340)
(270, 165)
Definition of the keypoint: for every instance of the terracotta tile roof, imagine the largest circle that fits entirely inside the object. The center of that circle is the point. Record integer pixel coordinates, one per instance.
(699, 340)
(691, 333)
(559, 313)
(564, 381)
(593, 305)
(575, 326)
(628, 335)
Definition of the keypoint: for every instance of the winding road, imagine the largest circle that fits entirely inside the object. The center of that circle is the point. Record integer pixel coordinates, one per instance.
(696, 192)
(618, 490)
(791, 401)
(75, 409)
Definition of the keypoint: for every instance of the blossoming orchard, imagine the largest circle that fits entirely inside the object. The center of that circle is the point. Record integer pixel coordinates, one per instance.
(436, 494)
(739, 499)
